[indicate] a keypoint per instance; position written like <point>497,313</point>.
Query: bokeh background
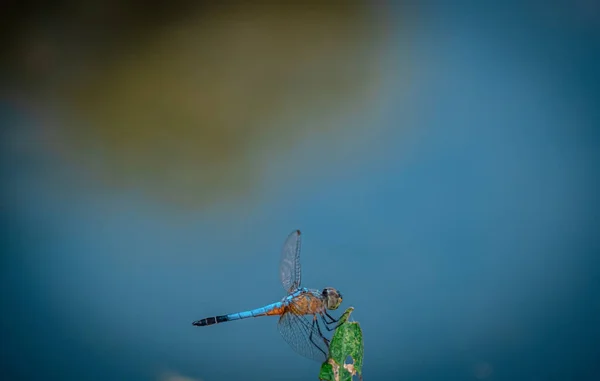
<point>440,159</point>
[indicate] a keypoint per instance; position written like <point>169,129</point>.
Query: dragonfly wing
<point>289,268</point>
<point>303,336</point>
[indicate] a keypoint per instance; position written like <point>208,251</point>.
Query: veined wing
<point>301,332</point>
<point>289,268</point>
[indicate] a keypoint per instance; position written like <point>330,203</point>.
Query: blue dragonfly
<point>301,312</point>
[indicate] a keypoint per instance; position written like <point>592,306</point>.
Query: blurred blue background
<point>441,162</point>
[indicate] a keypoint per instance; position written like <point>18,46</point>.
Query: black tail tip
<point>198,323</point>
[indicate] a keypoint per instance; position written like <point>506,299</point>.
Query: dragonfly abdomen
<point>271,309</point>
<point>211,320</point>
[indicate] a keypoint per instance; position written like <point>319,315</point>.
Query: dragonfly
<point>303,313</point>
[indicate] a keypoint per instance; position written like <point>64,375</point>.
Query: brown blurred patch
<point>179,102</point>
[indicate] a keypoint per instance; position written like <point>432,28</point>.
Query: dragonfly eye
<point>332,298</point>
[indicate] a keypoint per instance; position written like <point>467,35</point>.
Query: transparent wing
<point>303,336</point>
<point>289,268</point>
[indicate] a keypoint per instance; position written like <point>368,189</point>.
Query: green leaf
<point>347,342</point>
<point>326,373</point>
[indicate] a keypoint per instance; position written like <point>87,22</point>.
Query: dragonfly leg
<point>315,322</point>
<point>331,317</point>
<point>327,323</point>
<point>320,334</point>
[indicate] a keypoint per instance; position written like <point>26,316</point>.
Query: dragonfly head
<point>332,298</point>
